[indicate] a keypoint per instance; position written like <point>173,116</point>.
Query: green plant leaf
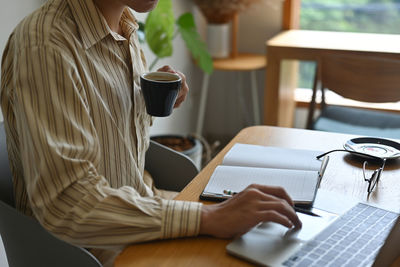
<point>188,31</point>
<point>159,29</point>
<point>141,32</point>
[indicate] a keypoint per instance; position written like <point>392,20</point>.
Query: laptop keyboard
<point>354,239</point>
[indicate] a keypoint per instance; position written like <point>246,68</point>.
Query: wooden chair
<point>365,79</point>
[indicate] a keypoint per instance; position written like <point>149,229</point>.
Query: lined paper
<point>272,157</point>
<point>299,184</point>
<point>296,170</point>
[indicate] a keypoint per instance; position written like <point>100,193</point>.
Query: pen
<point>229,192</point>
<point>322,170</point>
<point>306,211</point>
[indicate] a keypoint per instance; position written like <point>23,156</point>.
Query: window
<point>373,16</point>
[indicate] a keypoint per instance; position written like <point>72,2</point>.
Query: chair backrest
<point>170,170</point>
<point>25,241</point>
<point>6,186</point>
<point>366,79</point>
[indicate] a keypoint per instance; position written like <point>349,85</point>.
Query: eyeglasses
<point>374,178</point>
<point>376,174</point>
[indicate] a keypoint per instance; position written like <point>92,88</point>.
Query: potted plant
<point>158,31</point>
<point>161,28</point>
<point>222,11</point>
<point>219,14</point>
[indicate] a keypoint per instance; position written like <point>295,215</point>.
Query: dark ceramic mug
<point>160,90</point>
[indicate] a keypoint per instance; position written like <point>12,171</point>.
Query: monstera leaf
<point>188,31</point>
<point>159,31</point>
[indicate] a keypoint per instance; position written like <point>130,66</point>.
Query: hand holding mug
<point>163,90</point>
<point>160,91</point>
<point>184,87</point>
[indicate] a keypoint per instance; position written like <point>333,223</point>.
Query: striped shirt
<point>77,130</point>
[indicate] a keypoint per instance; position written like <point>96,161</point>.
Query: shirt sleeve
<point>60,153</point>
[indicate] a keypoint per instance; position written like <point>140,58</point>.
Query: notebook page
<point>272,157</point>
<point>299,184</point>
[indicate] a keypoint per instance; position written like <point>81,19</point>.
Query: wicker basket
<point>222,11</point>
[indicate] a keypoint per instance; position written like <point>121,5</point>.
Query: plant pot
<point>219,40</point>
<point>217,15</point>
<point>186,145</point>
<point>222,11</point>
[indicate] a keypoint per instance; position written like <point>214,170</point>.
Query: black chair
<point>170,170</point>
<point>27,243</point>
<point>367,79</point>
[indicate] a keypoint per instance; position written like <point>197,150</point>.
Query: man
<point>77,132</point>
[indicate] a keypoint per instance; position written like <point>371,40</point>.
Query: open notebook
<point>296,170</point>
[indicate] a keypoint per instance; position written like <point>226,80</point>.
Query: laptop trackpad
<point>261,248</point>
<point>312,225</point>
<point>271,243</point>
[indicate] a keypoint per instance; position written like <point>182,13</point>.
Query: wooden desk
<point>279,101</point>
<point>343,175</point>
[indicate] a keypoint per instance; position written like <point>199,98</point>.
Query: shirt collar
<point>92,25</point>
<point>128,23</point>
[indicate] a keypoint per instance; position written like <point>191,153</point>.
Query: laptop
<point>363,235</point>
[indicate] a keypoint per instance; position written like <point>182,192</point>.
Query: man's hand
<point>255,204</point>
<point>184,89</point>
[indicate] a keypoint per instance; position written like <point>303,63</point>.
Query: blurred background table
<point>279,103</point>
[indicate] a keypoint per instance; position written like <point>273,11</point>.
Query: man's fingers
<point>282,208</point>
<point>286,210</point>
<point>179,101</point>
<point>245,210</point>
<point>183,77</point>
<point>276,217</point>
<point>262,201</point>
<point>274,191</point>
<point>167,68</point>
<point>184,90</point>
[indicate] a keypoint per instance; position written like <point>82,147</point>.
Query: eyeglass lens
<point>373,179</point>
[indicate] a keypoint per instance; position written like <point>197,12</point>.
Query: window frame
<point>291,14</point>
<point>291,20</point>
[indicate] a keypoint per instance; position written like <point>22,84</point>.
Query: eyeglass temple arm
<point>351,152</point>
